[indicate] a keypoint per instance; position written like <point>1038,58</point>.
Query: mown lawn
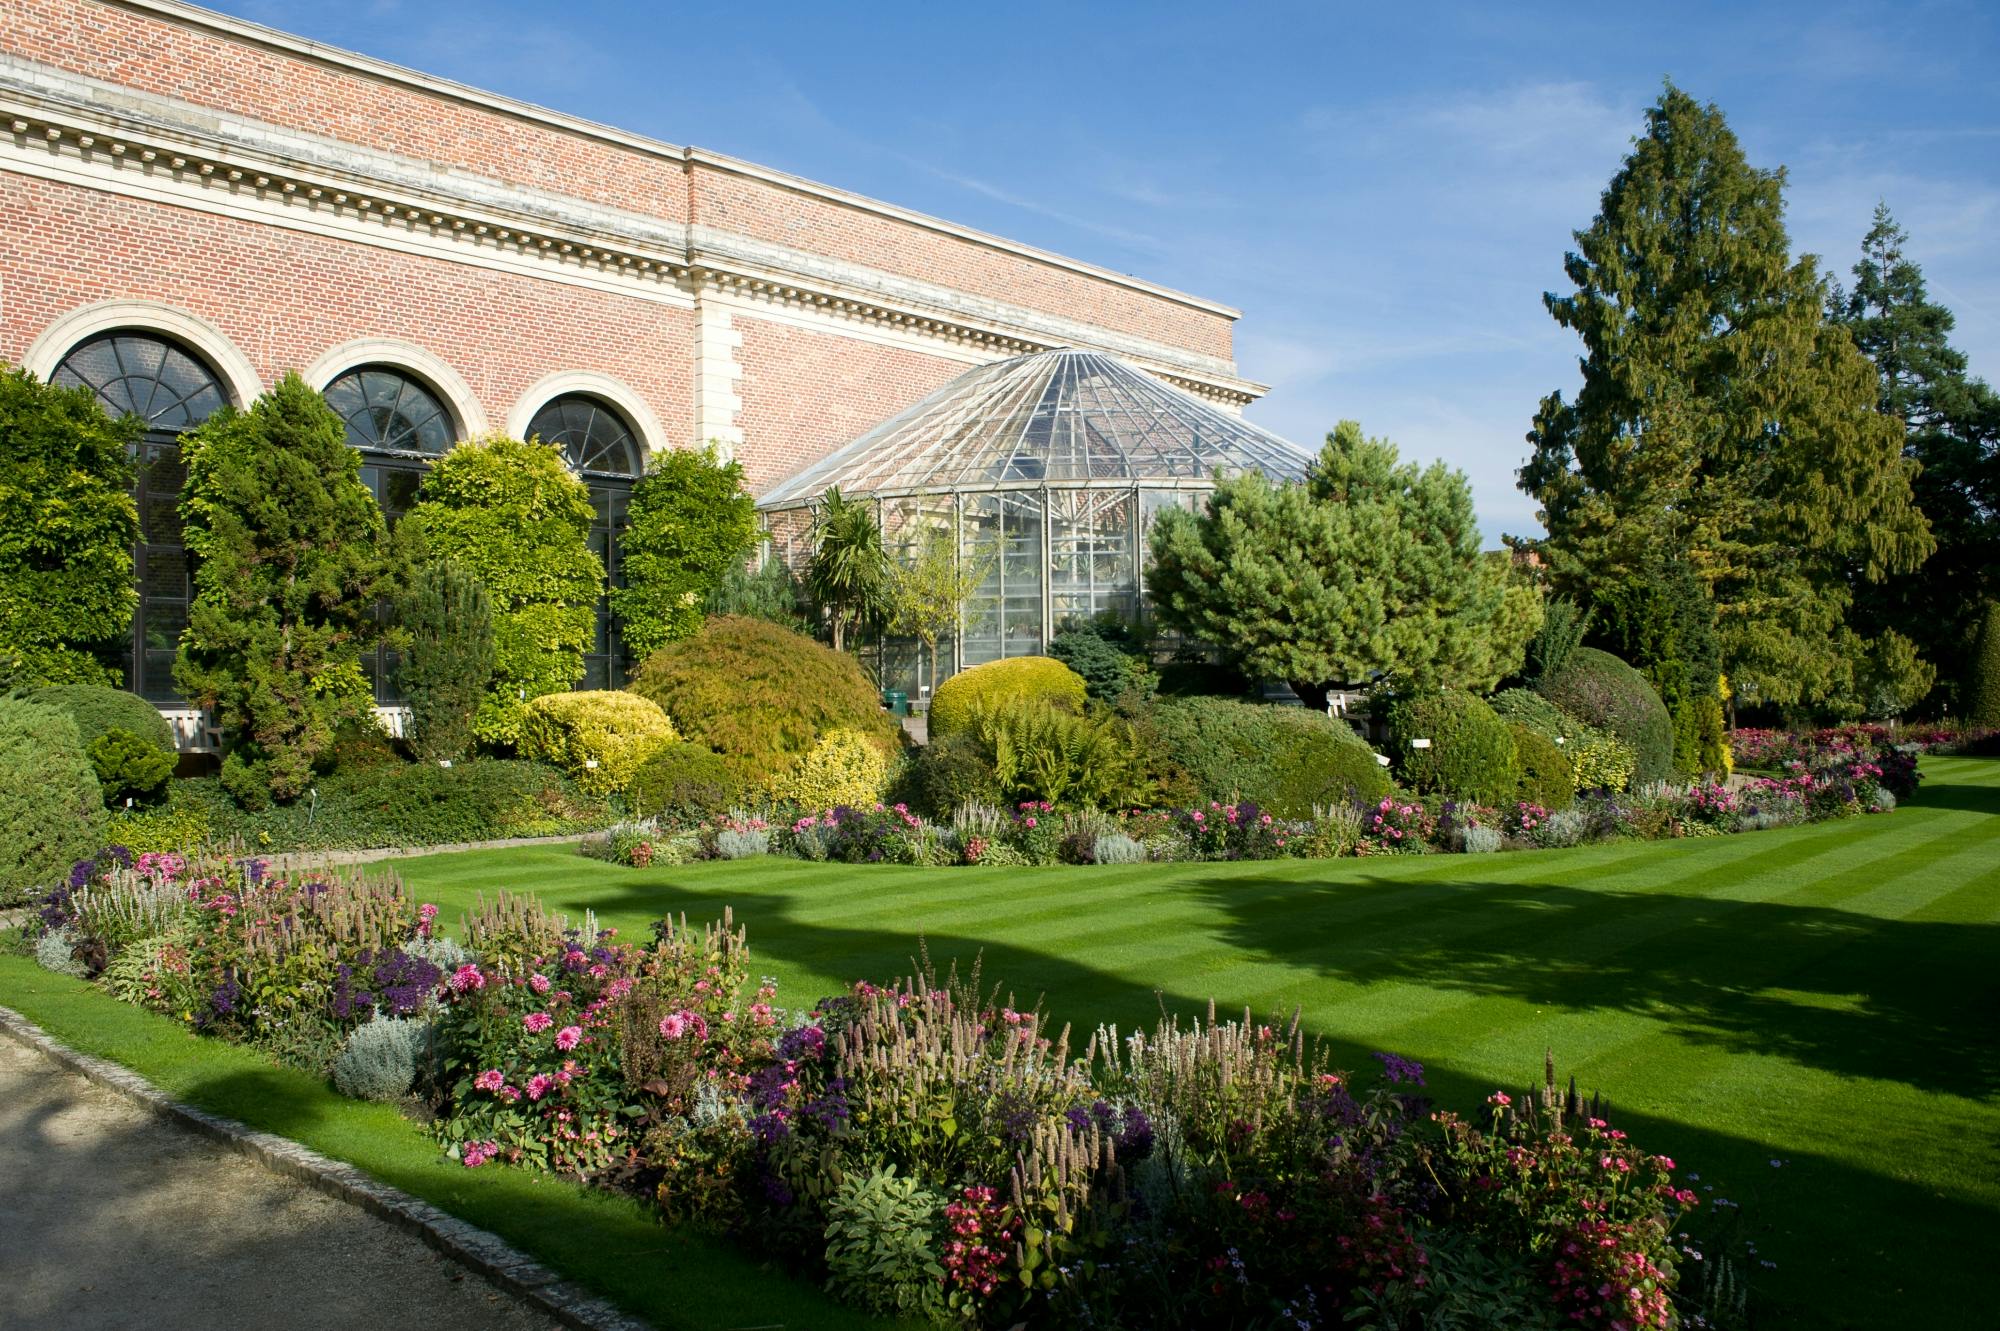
<point>1809,1019</point>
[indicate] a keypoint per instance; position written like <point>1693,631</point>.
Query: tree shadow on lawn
<point>1854,1247</point>
<point>1858,995</point>
<point>1958,795</point>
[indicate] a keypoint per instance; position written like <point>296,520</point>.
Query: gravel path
<point>115,1219</point>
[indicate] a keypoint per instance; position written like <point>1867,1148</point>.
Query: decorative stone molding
<point>191,330</point>
<point>644,423</point>
<point>716,373</point>
<point>154,157</point>
<point>468,417</point>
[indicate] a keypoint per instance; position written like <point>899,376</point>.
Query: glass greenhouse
<point>1045,472</point>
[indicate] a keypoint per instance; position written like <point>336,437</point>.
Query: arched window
<point>600,446</point>
<point>595,439</point>
<point>138,373</point>
<point>388,411</point>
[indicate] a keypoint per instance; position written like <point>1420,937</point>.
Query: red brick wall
<point>285,298</point>
<point>730,202</point>
<point>210,70</point>
<point>806,393</point>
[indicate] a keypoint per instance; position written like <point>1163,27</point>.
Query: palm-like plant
<point>848,576</point>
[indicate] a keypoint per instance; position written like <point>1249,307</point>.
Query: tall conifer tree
<point>1951,429</point>
<point>1722,416</point>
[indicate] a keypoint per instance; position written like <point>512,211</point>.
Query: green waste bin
<point>897,701</point>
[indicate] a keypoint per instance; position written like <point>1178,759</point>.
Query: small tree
<point>927,590</point>
<point>849,573</point>
<point>67,524</point>
<point>290,557</point>
<point>691,522</point>
<point>447,622</point>
<point>1370,566</point>
<point>514,517</point>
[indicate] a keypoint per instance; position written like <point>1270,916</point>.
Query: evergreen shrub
<point>1982,690</point>
<point>845,767</point>
<point>1109,663</point>
<point>953,771</point>
<point>1548,778</point>
<point>690,522</point>
<point>98,708</point>
<point>51,806</point>
<point>128,767</point>
<point>998,683</point>
<point>760,695</point>
<point>683,782</point>
<point>1604,691</point>
<point>1471,751</point>
<point>447,624</point>
<point>1286,760</point>
<point>599,736</point>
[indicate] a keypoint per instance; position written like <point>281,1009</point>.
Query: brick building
<point>196,204</point>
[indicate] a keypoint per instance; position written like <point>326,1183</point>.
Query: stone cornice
<point>203,154</point>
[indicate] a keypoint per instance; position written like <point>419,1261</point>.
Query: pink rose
<point>569,1037</point>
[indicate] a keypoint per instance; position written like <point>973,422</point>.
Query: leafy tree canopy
<point>67,524</point>
<point>691,523</point>
<point>513,516</point>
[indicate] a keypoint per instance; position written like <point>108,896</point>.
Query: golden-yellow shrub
<point>997,684</point>
<point>844,767</point>
<point>598,736</point>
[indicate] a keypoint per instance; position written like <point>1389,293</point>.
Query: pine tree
<point>1372,566</point>
<point>1722,417</point>
<point>1951,429</point>
<point>290,558</point>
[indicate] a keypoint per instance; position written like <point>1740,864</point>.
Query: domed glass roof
<point>1059,418</point>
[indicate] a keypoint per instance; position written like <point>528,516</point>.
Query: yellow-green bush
<point>999,684</point>
<point>845,767</point>
<point>613,729</point>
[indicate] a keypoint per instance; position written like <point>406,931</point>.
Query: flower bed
<point>925,1148</point>
<point>1833,775</point>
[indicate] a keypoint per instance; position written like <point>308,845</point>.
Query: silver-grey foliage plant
<point>383,1058</point>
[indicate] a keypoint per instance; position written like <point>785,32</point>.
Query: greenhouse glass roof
<point>1061,418</point>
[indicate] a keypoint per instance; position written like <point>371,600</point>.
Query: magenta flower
<point>466,978</point>
<point>538,1085</point>
<point>539,983</point>
<point>489,1080</point>
<point>569,1037</point>
<point>537,1022</point>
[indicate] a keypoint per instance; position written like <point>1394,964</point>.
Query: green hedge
<point>1470,754</point>
<point>1000,683</point>
<point>411,804</point>
<point>1548,778</point>
<point>51,807</point>
<point>97,711</point>
<point>1286,759</point>
<point>761,695</point>
<point>1597,687</point>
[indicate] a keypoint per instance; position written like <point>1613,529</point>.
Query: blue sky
<point>1384,190</point>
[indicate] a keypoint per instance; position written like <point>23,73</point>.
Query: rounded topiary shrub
<point>1285,759</point>
<point>1470,754</point>
<point>1982,684</point>
<point>1000,683</point>
<point>761,695</point>
<point>51,806</point>
<point>1547,776</point>
<point>599,736</point>
<point>684,781</point>
<point>98,711</point>
<point>1596,687</point>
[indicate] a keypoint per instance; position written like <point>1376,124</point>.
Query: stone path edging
<point>486,1254</point>
<point>285,859</point>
